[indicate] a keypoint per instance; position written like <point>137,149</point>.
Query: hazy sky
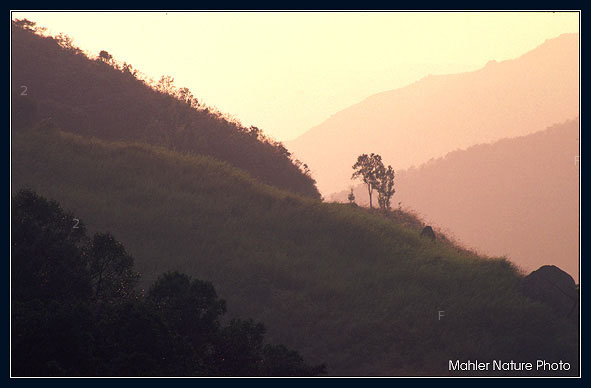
<point>287,72</point>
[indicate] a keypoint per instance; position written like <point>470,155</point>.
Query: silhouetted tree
<point>66,42</point>
<point>351,197</point>
<point>105,56</point>
<point>47,261</point>
<point>385,186</point>
<point>185,95</point>
<point>371,170</point>
<point>191,306</point>
<point>111,269</point>
<point>166,85</point>
<point>366,168</point>
<point>306,169</point>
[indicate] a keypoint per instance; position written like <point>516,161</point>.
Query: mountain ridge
<point>439,113</point>
<point>110,100</point>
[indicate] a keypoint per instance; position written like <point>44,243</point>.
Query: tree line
<point>77,310</point>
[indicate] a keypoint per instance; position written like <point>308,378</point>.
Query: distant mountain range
<point>517,197</point>
<point>439,114</point>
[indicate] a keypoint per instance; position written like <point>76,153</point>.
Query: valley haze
<point>163,225</point>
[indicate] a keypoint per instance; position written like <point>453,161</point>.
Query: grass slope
<point>341,285</point>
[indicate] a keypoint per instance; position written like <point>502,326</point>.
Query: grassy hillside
<point>334,282</point>
<point>52,79</point>
<point>499,197</point>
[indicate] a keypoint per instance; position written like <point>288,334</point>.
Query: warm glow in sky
<point>287,72</point>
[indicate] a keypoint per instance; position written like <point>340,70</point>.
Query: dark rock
<point>428,232</point>
<point>554,287</point>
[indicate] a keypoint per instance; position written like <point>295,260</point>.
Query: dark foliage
<point>111,268</point>
<point>46,250</point>
<point>75,311</point>
<point>52,79</point>
<point>356,287</point>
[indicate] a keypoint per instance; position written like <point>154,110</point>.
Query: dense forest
<point>55,81</point>
<point>76,310</point>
